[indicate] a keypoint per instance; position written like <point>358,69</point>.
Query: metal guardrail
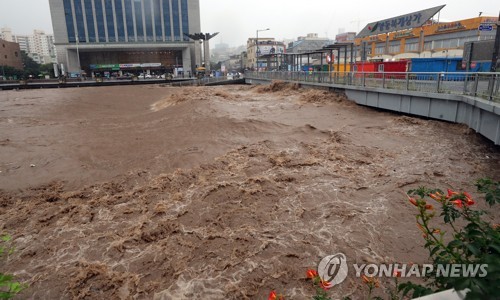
<point>483,85</point>
<point>202,81</point>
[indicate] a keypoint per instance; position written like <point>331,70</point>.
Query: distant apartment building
<point>10,55</point>
<point>345,37</point>
<point>39,46</point>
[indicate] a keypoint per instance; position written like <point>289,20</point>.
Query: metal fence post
<point>407,81</point>
<point>383,80</point>
<point>476,80</point>
<point>438,82</point>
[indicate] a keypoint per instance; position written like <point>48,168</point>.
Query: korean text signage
<point>402,22</point>
<point>485,27</point>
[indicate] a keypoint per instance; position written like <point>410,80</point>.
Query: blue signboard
<point>485,27</point>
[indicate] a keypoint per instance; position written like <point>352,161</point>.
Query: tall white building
<point>39,46</point>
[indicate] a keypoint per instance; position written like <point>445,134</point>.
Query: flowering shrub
<point>321,285</point>
<point>473,242</point>
<point>274,296</point>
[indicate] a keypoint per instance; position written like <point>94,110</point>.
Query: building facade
<point>262,47</point>
<point>434,39</point>
<point>307,43</point>
<point>10,55</point>
<point>39,46</point>
<point>126,35</point>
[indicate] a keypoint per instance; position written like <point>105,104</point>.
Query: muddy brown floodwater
<point>157,192</point>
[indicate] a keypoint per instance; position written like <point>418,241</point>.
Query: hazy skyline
<point>238,20</point>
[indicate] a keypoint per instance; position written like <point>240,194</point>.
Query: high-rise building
<point>126,35</point>
<point>39,46</point>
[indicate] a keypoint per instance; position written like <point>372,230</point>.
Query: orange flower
<point>421,227</point>
<point>413,201</point>
<point>451,193</point>
<point>436,231</point>
<point>468,199</point>
<point>429,206</point>
<point>325,285</point>
<point>365,279</point>
<point>435,197</point>
<point>272,295</point>
<point>311,273</point>
<point>458,203</point>
<point>370,281</point>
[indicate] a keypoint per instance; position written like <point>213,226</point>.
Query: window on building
<point>120,26</point>
<point>379,50</point>
<point>184,18</point>
<point>100,21</point>
<point>16,54</point>
<point>428,46</point>
<point>175,17</point>
<point>89,14</point>
<point>411,47</point>
<point>130,21</point>
<point>166,20</point>
<point>148,17</point>
<point>157,20</point>
<point>69,21</point>
<point>394,48</point>
<point>138,20</point>
<point>80,25</point>
<point>110,21</point>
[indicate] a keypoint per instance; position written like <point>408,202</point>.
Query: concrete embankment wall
<point>480,115</point>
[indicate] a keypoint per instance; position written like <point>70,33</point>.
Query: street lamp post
<point>257,47</point>
<point>78,58</point>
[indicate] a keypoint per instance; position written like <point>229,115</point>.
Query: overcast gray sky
<point>237,20</point>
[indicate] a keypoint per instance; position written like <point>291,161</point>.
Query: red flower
<point>272,295</point>
<point>429,206</point>
<point>325,285</point>
<point>311,274</point>
<point>413,201</point>
<point>451,193</point>
<point>468,199</point>
<point>458,203</point>
<point>396,274</point>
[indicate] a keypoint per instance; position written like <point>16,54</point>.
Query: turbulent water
<point>155,192</point>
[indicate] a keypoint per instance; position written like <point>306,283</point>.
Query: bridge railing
<point>483,85</point>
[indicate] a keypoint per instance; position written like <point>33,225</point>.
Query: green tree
<point>10,72</point>
<point>47,69</point>
<point>31,67</point>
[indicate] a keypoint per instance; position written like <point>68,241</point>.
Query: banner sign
<point>124,66</point>
<point>402,22</point>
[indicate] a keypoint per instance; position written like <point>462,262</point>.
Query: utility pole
<point>494,58</point>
